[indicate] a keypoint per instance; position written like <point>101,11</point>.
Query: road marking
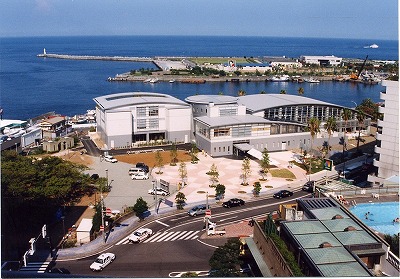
<point>165,235</point>
<point>162,223</point>
<point>227,218</point>
<point>191,235</point>
<point>179,235</point>
<point>171,236</point>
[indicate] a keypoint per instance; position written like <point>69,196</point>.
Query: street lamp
<point>154,182</point>
<point>354,103</point>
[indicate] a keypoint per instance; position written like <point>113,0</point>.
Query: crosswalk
<point>167,236</point>
<point>39,267</point>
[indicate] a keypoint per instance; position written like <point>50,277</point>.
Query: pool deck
<point>370,199</point>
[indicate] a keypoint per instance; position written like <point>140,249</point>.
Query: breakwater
<point>91,57</point>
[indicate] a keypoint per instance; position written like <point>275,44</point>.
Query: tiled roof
<point>315,240</point>
<point>353,269</point>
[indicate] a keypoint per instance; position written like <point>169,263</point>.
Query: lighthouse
<point>44,51</point>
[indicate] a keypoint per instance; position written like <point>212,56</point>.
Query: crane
<point>354,76</point>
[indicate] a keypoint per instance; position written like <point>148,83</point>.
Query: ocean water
<point>30,86</point>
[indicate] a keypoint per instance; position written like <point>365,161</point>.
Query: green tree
<point>193,154</point>
<point>225,261</point>
<point>265,164</point>
<point>220,191</point>
<point>159,161</point>
<point>180,200</point>
<point>282,91</point>
<point>140,208</point>
<point>246,171</point>
<point>256,188</point>
<point>213,175</point>
<point>173,154</point>
<point>330,126</point>
<point>300,91</point>
<point>50,180</point>
<point>369,108</point>
<point>313,127</point>
<point>263,92</point>
<point>393,241</point>
<point>182,173</point>
<point>96,221</point>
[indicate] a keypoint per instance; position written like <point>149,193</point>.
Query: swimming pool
<point>380,217</point>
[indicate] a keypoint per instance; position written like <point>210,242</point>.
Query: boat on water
<point>147,80</point>
<point>153,80</point>
<point>311,80</point>
<point>280,78</point>
<point>372,46</point>
<point>172,81</point>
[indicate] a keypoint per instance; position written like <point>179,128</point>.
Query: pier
<point>91,57</point>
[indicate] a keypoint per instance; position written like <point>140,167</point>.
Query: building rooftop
<point>260,102</point>
<point>121,100</point>
<point>207,99</point>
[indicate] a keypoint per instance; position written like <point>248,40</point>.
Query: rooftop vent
<point>325,245</point>
<point>350,228</point>
<point>337,216</point>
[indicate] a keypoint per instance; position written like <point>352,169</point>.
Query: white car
<point>140,235</point>
<point>140,176</point>
<point>111,159</point>
<point>102,261</point>
<point>159,192</point>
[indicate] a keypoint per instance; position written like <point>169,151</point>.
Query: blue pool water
<point>380,217</point>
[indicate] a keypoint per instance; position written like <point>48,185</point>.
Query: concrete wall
<point>270,253</point>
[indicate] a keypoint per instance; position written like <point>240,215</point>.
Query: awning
<point>258,154</point>
<point>243,146</point>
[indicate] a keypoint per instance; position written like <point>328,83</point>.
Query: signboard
<point>164,185</point>
<point>101,228</point>
<point>108,211</point>
<point>328,164</point>
<point>208,213</point>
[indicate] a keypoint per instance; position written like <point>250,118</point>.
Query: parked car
<point>198,210</point>
<point>140,176</point>
<point>140,235</point>
<point>136,170</point>
<point>109,158</point>
<point>102,261</point>
<point>308,186</point>
<point>233,202</point>
<point>142,166</point>
<point>282,194</point>
<point>159,192</point>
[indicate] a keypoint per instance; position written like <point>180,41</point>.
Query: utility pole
<point>102,208</point>
<point>206,218</point>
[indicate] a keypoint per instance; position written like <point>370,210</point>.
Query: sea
<point>31,86</point>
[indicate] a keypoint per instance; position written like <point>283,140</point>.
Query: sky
<point>355,19</point>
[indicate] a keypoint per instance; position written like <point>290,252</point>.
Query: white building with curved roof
<point>226,125</point>
<point>126,118</point>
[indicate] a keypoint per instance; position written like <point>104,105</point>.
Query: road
<point>179,243</point>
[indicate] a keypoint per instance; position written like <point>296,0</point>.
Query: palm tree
<point>330,126</point>
<point>241,92</point>
<point>300,91</point>
<point>263,92</point>
<point>282,91</point>
<point>313,127</point>
<point>346,115</point>
<point>360,120</point>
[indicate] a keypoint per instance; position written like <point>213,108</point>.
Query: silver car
<point>198,210</point>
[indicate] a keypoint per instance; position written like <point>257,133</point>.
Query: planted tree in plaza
<point>213,174</point>
<point>246,171</point>
<point>256,188</point>
<point>282,91</point>
<point>182,173</point>
<point>265,164</point>
<point>173,154</point>
<point>300,91</point>
<point>241,92</point>
<point>140,208</point>
<point>220,191</point>
<point>159,161</point>
<point>180,200</point>
<point>225,261</point>
<point>193,154</point>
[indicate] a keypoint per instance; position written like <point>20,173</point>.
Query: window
<point>141,112</point>
<point>225,111</point>
<point>221,132</point>
<point>153,123</point>
<point>153,111</point>
<point>141,124</point>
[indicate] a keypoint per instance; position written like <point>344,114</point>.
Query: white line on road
<point>162,223</point>
<point>227,218</point>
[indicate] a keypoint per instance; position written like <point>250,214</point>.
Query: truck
<point>212,230</point>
